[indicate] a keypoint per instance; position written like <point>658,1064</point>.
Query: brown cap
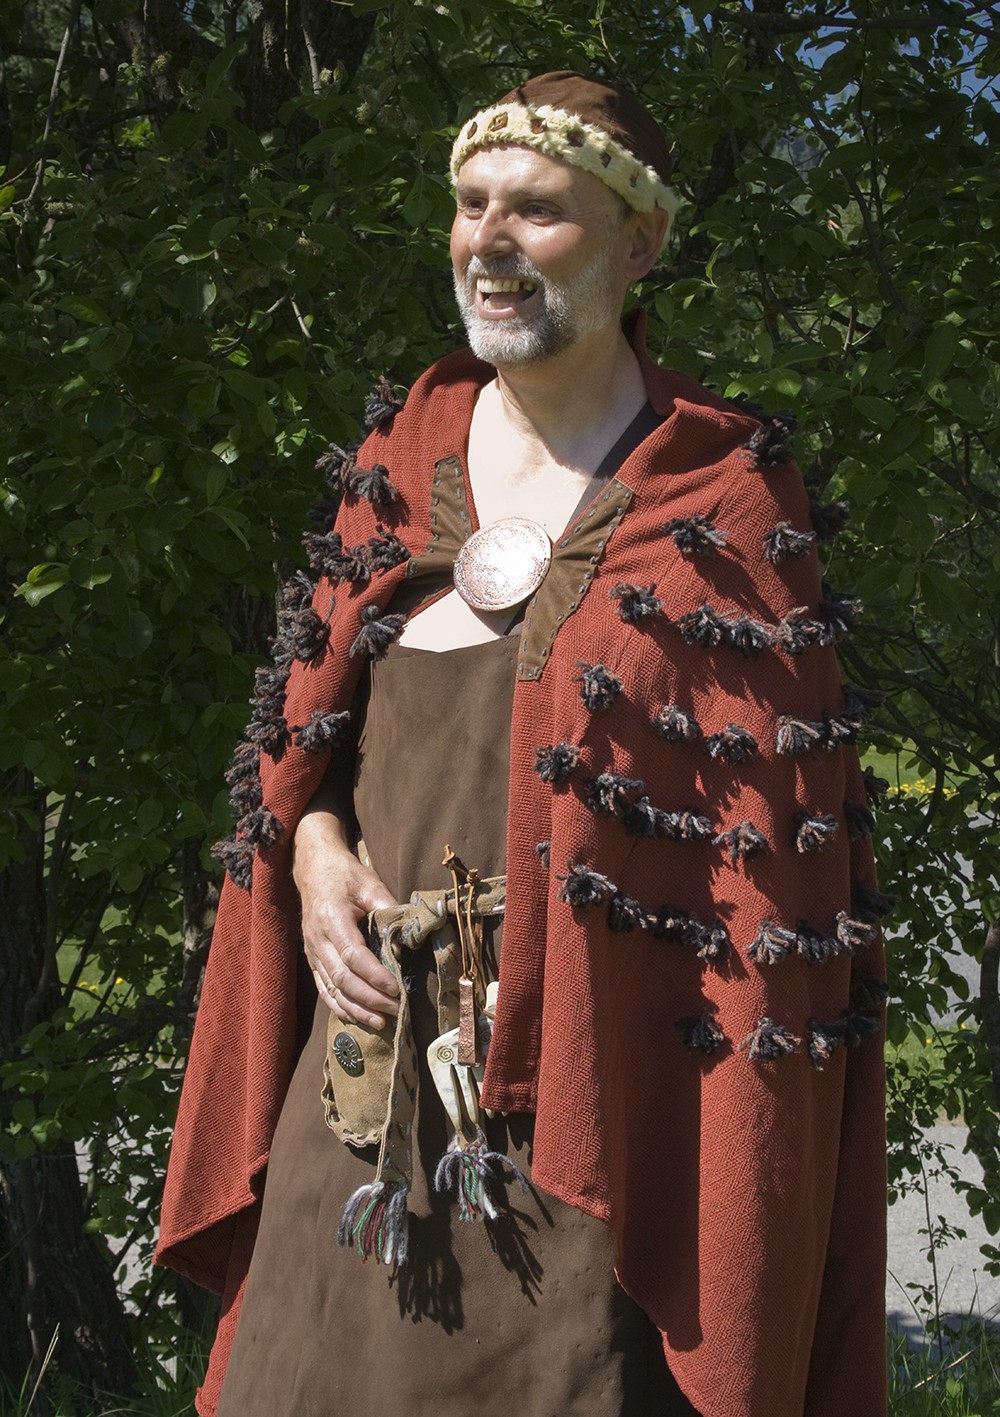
<point>588,122</point>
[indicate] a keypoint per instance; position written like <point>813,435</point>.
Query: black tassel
<point>669,923</point>
<point>771,943</point>
<point>581,886</point>
<point>771,444</point>
<point>733,745</point>
<point>642,819</point>
<point>702,1034</point>
<point>770,1041</point>
<point>636,604</point>
<point>743,841</point>
<point>543,850</point>
<point>814,947</point>
<point>854,934</point>
<point>703,627</point>
<point>676,726</point>
<point>625,913</point>
<point>323,731</point>
<point>372,484</point>
<point>385,550</point>
<point>328,557</point>
<point>823,1040</point>
<point>837,614</point>
<point>269,683</point>
<point>869,904</point>
<point>304,635</point>
<point>748,637</point>
<point>236,855</point>
<point>377,632</point>
<point>860,704</point>
<point>381,405</point>
<point>296,593</point>
<point>243,777</point>
<point>710,942</point>
<point>796,632</point>
<point>867,992</point>
<point>875,786</point>
<point>838,730</point>
<point>695,536</point>
<point>784,543</point>
<point>859,1027</point>
<point>610,792</point>
<point>814,833</point>
<point>688,825</point>
<point>829,519</point>
<point>798,735</point>
<point>554,764</point>
<point>600,689</point>
<point>860,821</point>
<point>261,828</point>
<point>268,731</point>
<point>337,464</point>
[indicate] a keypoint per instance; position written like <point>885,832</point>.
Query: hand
<point>337,892</point>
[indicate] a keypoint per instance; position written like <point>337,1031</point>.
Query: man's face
<point>538,249</point>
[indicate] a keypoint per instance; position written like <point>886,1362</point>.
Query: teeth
<point>503,287</point>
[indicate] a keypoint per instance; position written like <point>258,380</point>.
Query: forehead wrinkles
<point>516,174</point>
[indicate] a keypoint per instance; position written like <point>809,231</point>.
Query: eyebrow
<point>517,194</point>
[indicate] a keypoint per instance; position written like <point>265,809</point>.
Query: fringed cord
<point>376,1222</point>
<point>467,1173</point>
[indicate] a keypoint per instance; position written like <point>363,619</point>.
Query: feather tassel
<point>381,405</point>
<point>734,744</point>
<point>376,633</point>
<point>581,886</point>
<point>599,688</point>
<point>771,944</point>
<point>743,842</point>
<point>323,731</point>
<point>636,604</point>
<point>784,543</point>
<point>814,833</point>
<point>702,1034</point>
<point>769,1041</point>
<point>676,726</point>
<point>695,536</point>
<point>555,763</point>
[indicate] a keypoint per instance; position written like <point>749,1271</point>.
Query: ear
<point>649,232</point>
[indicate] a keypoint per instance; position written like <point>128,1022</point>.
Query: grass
<point>964,1381</point>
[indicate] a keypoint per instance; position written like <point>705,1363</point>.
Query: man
<point>690,972</point>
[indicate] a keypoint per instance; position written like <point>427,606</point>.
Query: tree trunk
<point>54,1280</point>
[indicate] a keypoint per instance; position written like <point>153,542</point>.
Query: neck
<point>565,404</point>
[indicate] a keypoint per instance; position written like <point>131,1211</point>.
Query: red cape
<point>744,1184</point>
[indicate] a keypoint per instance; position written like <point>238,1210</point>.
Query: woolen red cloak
<point>691,967</point>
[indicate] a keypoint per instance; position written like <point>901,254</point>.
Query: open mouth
<point>502,295</point>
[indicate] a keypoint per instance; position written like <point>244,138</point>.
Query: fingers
<point>352,982</point>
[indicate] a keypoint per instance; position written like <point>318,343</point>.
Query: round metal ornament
<point>348,1054</point>
<point>502,564</point>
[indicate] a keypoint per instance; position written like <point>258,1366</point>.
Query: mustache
<point>503,268</point>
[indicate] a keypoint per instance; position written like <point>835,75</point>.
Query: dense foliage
<point>219,222</point>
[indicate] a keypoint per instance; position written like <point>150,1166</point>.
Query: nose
<point>490,235</point>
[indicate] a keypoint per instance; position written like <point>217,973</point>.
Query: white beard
<point>569,311</point>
